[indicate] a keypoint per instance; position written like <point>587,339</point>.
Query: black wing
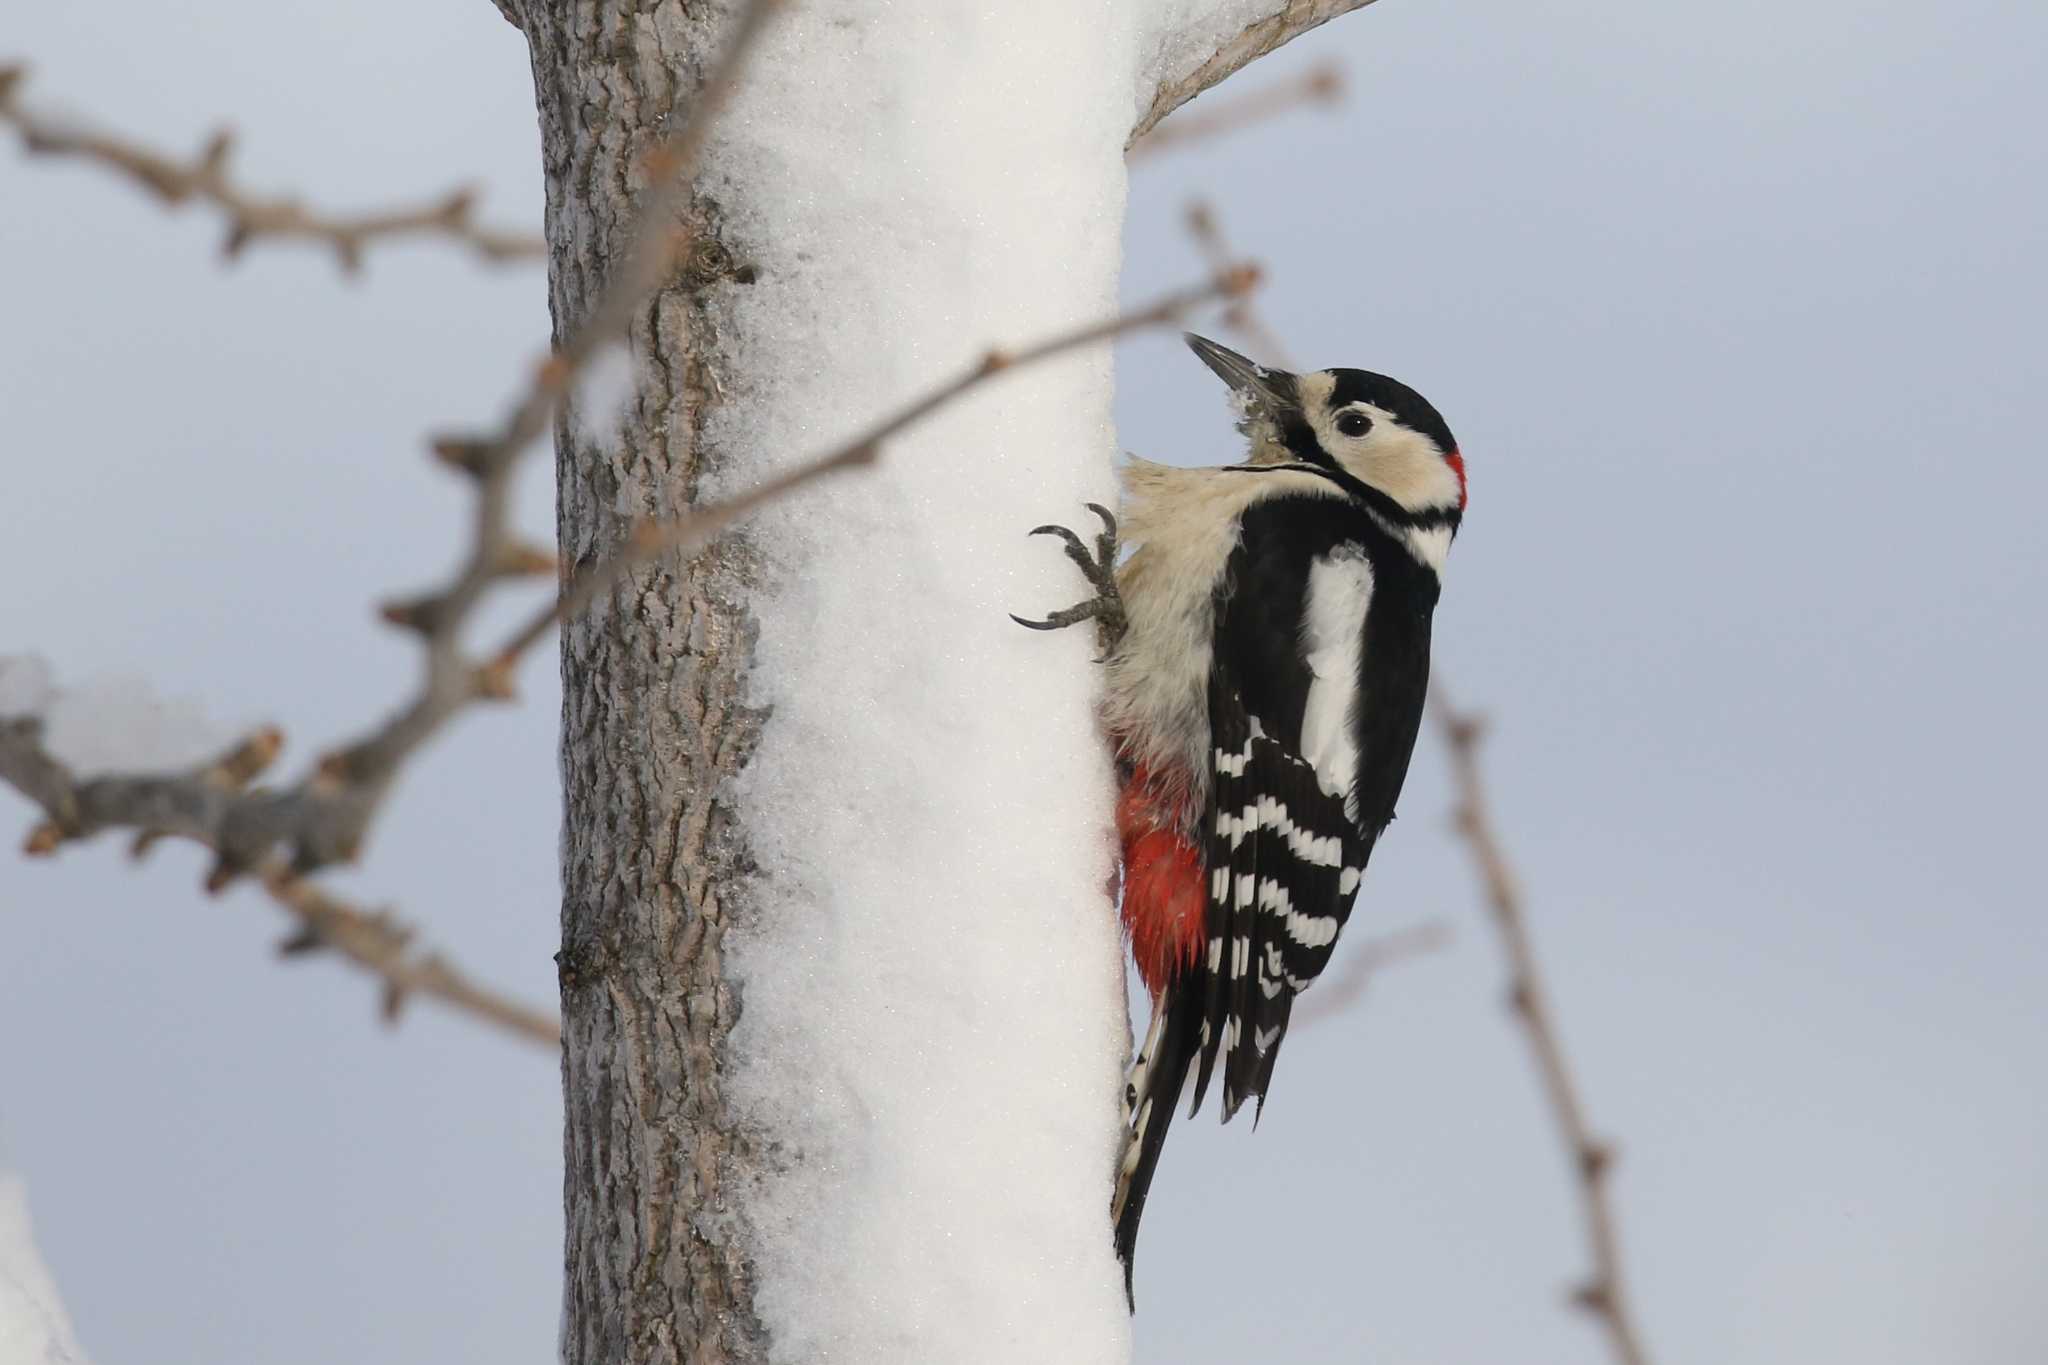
<point>1284,862</point>
<point>1283,854</point>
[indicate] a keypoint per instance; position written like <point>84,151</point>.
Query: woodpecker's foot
<point>1106,608</point>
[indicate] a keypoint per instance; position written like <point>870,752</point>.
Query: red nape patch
<point>1457,464</point>
<point>1164,906</point>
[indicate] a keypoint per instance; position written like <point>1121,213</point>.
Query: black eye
<point>1353,423</point>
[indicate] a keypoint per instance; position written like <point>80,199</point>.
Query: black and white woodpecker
<point>1268,658</point>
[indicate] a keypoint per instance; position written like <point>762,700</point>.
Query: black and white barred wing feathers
<point>1284,861</point>
<point>1282,857</point>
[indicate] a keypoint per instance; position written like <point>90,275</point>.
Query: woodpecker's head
<point>1375,429</point>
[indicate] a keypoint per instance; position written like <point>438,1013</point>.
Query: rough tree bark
<point>656,871</point>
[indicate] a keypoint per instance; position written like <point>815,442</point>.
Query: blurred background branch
<point>1604,1294</point>
<point>1362,963</point>
<point>1322,85</point>
<point>1241,316</point>
<point>323,819</point>
<point>190,805</point>
<point>253,217</point>
<point>1288,20</point>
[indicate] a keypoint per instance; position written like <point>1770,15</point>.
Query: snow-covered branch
<point>253,217</point>
<point>1243,41</point>
<point>1604,1294</point>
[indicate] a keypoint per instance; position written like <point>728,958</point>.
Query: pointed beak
<point>1275,388</point>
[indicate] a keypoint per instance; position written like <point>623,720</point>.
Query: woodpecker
<point>1267,657</point>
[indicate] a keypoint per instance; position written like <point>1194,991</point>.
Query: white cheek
<point>1406,467</point>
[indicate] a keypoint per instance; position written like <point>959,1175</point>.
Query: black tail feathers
<point>1151,1094</point>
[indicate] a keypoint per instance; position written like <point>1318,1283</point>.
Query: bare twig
<point>374,940</point>
<point>651,539</point>
<point>324,818</point>
<point>1242,315</point>
<point>180,805</point>
<point>1362,966</point>
<point>660,240</point>
<point>1604,1293</point>
<point>1288,20</point>
<point>252,217</point>
<point>1320,84</point>
<point>280,836</point>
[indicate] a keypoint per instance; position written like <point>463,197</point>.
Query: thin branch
<point>280,836</point>
<point>324,818</point>
<point>1242,316</point>
<point>659,243</point>
<point>1321,84</point>
<point>653,539</point>
<point>1288,21</point>
<point>1363,965</point>
<point>177,805</point>
<point>377,942</point>
<point>1604,1294</point>
<point>252,217</point>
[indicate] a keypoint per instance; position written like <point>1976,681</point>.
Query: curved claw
<point>1106,608</point>
<point>1073,541</point>
<point>1089,565</point>
<point>1103,609</point>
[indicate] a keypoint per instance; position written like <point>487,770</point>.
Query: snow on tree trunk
<point>34,1328</point>
<point>934,1021</point>
<point>842,991</point>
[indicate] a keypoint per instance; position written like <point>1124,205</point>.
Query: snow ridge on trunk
<point>34,1329</point>
<point>932,1015</point>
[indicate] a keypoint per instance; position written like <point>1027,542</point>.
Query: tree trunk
<point>653,722</point>
<point>901,1148</point>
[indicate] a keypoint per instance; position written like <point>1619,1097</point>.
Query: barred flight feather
<point>1285,856</point>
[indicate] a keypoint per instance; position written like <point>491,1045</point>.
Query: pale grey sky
<point>1737,315</point>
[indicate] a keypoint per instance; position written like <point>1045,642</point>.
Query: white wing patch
<point>1332,635</point>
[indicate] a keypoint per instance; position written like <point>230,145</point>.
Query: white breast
<point>1332,639</point>
<point>1183,524</point>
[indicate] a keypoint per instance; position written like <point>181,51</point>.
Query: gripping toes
<point>1106,608</point>
<point>1100,567</point>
